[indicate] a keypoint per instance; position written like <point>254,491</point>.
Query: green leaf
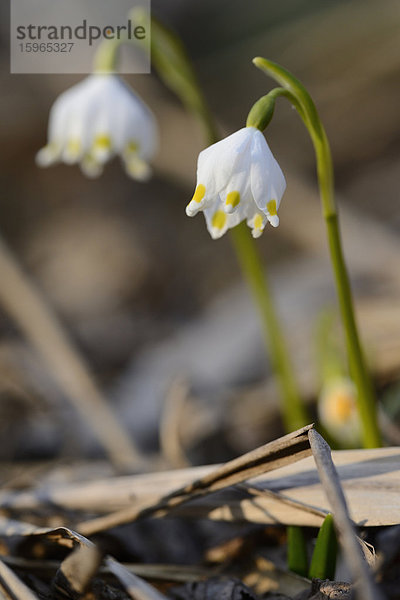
<point>323,562</point>
<point>297,551</point>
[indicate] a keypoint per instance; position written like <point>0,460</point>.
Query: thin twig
<point>160,572</point>
<point>42,328</point>
<point>170,442</point>
<point>13,584</point>
<point>136,587</point>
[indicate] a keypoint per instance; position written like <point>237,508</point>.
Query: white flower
<point>238,179</point>
<point>96,119</point>
<point>338,413</point>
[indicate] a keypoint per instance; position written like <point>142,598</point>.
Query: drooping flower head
<point>96,119</point>
<point>238,179</point>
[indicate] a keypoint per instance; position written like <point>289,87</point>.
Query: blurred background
<point>158,309</point>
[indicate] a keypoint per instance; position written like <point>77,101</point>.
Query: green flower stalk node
<point>261,112</point>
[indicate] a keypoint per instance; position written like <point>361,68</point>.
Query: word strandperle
<point>81,32</point>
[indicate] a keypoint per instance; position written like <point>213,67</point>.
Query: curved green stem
<point>262,111</point>
<point>106,56</point>
<point>302,101</point>
<point>169,57</point>
<point>105,59</point>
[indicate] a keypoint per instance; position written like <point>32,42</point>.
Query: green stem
<point>169,57</point>
<point>297,559</point>
<point>173,65</point>
<point>300,98</point>
<point>294,413</point>
<point>105,59</point>
<point>106,56</point>
<point>366,397</point>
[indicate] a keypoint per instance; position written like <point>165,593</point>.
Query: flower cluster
<point>238,179</point>
<point>96,119</point>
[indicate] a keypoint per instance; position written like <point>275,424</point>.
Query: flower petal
<point>257,223</point>
<point>218,221</point>
<point>267,180</point>
<point>90,167</point>
<point>137,168</point>
<point>47,155</point>
<point>198,201</point>
<point>217,163</point>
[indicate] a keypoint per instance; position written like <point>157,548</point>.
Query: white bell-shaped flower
<point>238,179</point>
<point>97,119</point>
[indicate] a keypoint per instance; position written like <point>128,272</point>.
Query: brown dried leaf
<point>286,450</point>
<point>76,571</point>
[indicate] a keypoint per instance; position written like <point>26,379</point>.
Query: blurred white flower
<point>96,119</point>
<point>238,179</point>
<point>338,412</point>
